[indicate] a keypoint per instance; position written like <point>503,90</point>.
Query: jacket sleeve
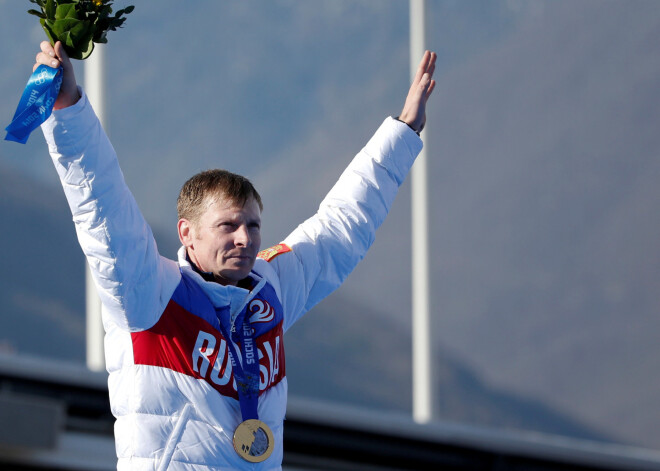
<point>133,281</point>
<point>327,247</point>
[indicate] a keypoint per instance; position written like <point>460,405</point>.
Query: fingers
<point>426,66</point>
<point>56,56</point>
<point>52,56</point>
<point>431,68</point>
<point>421,69</point>
<point>47,56</point>
<point>60,53</point>
<point>426,83</point>
<point>430,89</point>
<point>423,84</point>
<point>47,48</point>
<point>414,109</point>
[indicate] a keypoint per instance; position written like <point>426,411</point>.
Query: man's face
<point>225,240</point>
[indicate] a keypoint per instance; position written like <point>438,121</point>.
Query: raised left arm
<point>327,246</point>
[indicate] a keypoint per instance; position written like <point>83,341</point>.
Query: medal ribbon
<point>246,365</point>
<point>36,104</point>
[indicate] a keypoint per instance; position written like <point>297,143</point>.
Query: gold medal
<point>253,441</point>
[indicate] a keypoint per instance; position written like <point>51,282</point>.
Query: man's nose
<point>242,236</point>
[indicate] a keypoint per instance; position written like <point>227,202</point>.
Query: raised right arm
<point>133,281</point>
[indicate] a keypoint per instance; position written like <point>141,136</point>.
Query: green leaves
<point>78,24</point>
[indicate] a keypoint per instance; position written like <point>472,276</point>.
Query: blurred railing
<point>56,416</point>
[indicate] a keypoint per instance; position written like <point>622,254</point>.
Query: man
<point>194,348</point>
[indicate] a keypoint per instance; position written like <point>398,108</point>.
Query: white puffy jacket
<point>171,385</point>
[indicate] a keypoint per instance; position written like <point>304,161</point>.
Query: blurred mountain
<point>547,234</point>
<point>345,351</point>
<point>42,288</point>
<point>42,294</point>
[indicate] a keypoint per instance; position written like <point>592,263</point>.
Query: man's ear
<point>185,230</point>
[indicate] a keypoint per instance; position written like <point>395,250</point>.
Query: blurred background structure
<point>543,163</point>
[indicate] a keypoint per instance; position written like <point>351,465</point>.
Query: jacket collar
<point>237,297</point>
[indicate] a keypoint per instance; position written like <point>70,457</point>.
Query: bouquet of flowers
<point>78,24</point>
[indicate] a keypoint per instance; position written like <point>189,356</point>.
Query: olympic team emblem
<point>261,311</point>
<point>41,78</point>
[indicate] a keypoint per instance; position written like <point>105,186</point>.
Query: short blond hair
<point>219,183</point>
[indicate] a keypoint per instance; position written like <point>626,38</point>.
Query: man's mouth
<point>241,257</point>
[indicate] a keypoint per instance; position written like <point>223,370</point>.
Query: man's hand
<point>414,110</point>
<point>54,57</point>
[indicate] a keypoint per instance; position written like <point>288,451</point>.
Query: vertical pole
<point>95,89</point>
<point>423,383</point>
